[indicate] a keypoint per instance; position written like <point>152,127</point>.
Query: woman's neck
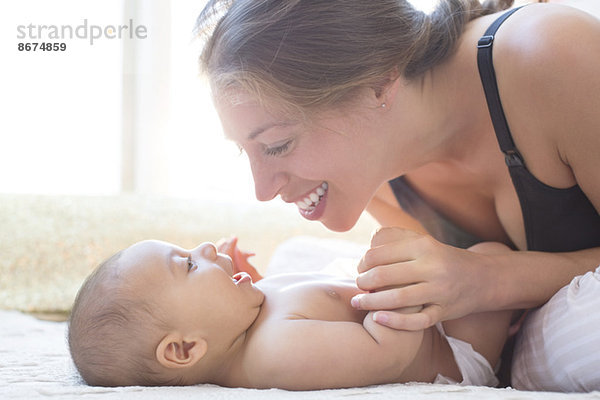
<point>445,112</point>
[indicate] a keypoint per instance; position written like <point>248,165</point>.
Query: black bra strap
<point>490,87</point>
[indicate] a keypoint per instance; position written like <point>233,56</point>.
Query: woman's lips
<point>311,201</point>
<point>315,211</point>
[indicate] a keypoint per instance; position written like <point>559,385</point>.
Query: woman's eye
<point>278,150</point>
<point>190,264</point>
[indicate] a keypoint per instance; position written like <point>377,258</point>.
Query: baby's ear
<point>175,351</point>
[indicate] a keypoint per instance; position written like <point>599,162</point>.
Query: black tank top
<point>556,220</point>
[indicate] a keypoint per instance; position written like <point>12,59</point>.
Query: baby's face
<point>194,288</point>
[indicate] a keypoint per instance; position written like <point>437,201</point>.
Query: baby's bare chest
<point>325,300</point>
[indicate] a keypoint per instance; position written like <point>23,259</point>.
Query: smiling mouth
<point>312,200</point>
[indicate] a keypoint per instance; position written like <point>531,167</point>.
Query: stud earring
<point>383,105</point>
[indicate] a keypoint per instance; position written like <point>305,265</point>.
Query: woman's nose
<point>268,180</point>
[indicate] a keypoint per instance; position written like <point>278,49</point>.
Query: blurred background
<point>119,115</point>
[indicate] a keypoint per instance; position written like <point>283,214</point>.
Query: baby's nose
<point>207,250</point>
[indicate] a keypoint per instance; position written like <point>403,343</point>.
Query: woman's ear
<point>175,351</point>
<point>387,91</point>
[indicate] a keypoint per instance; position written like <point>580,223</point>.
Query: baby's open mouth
<point>241,277</point>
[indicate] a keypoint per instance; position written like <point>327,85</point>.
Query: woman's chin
<point>339,224</point>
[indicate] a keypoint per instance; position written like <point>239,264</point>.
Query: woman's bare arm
<point>557,98</point>
<point>386,211</point>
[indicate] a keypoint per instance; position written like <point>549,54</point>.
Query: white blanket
<point>35,364</point>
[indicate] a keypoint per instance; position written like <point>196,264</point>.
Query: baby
<point>157,314</point>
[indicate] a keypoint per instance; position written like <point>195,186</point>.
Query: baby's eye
<point>191,265</point>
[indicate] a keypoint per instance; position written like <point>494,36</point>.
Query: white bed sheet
<point>34,364</point>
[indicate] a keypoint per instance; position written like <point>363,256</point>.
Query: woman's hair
<point>112,335</point>
<point>306,54</point>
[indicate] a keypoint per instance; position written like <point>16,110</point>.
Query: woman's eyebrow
<point>261,129</point>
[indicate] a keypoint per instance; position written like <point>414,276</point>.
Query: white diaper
<point>474,367</point>
<point>558,347</point>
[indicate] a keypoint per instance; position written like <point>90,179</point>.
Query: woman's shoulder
<point>541,40</point>
<point>546,57</point>
<point>547,35</point>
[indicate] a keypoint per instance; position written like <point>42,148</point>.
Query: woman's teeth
<point>312,200</point>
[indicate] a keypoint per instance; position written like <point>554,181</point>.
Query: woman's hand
<point>239,258</point>
<point>406,269</point>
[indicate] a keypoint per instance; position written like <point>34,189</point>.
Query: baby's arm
<point>302,354</point>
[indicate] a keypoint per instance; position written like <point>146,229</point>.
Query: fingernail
<point>380,317</point>
<point>355,301</point>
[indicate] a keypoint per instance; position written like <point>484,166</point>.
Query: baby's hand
<point>239,258</point>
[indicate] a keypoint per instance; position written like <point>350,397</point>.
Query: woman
<point>350,105</point>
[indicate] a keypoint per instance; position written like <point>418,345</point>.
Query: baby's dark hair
<point>113,335</point>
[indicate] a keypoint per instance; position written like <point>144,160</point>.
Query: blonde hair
<point>112,335</point>
<point>307,55</point>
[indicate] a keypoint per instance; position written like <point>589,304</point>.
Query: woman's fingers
<point>393,245</point>
<point>384,255</point>
<point>412,295</point>
<point>410,322</point>
<point>398,274</point>
<point>386,235</point>
<point>404,269</point>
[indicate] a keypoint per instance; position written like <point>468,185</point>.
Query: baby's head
<point>157,314</point>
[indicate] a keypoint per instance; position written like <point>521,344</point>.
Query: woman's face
<point>329,168</point>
